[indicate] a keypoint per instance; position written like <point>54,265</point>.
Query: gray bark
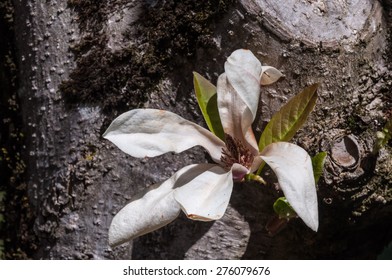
<point>80,64</point>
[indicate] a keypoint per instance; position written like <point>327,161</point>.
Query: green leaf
<point>285,123</point>
<point>318,165</point>
<point>284,209</point>
<point>207,98</point>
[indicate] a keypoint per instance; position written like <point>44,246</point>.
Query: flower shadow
<point>254,203</point>
<point>171,242</point>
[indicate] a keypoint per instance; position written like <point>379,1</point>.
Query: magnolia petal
<point>206,197</point>
<point>269,75</point>
<point>243,71</point>
<point>293,167</point>
<point>256,164</point>
<point>152,132</point>
<point>154,210</point>
<point>235,115</point>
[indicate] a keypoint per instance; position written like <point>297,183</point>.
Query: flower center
<point>236,152</point>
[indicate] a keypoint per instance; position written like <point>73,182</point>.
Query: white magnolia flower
<point>202,191</point>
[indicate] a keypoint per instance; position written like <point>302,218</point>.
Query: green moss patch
<point>165,31</point>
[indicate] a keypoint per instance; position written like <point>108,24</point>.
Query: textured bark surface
<point>82,63</point>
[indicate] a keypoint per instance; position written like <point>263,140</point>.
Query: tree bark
<point>82,63</point>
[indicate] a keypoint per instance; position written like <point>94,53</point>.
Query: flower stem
<point>254,177</point>
<point>260,168</point>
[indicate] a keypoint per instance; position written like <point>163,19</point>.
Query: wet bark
<point>81,63</point>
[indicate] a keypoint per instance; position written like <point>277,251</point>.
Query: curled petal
<point>235,115</point>
<point>154,210</point>
<point>293,167</point>
<point>269,75</point>
<point>152,132</point>
<point>206,197</point>
<point>243,72</point>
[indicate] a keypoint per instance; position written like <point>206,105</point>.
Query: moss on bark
<point>119,80</point>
